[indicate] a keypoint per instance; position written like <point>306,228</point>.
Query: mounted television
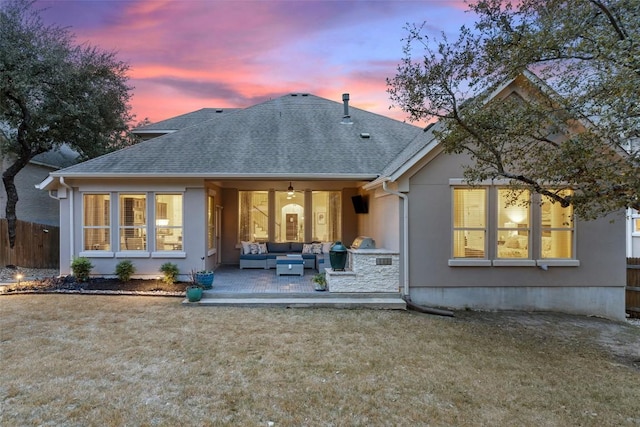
<point>359,204</point>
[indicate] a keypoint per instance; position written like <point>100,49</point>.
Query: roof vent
<point>219,110</point>
<point>294,94</point>
<point>346,118</point>
<point>305,94</point>
<point>365,135</point>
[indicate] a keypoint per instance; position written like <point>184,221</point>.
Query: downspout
<point>405,236</point>
<point>71,214</point>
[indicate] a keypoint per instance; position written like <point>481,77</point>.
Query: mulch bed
<point>97,285</point>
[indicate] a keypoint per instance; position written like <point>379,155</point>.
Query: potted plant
<point>204,277</point>
<point>320,282</point>
<point>193,291</point>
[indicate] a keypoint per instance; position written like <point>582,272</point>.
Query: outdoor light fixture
<point>290,189</point>
<point>19,277</point>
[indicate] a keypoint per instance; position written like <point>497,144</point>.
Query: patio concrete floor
<point>264,288</point>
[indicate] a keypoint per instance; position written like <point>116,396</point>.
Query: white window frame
<point>492,230</point>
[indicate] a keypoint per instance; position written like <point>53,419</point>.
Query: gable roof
<point>426,143</point>
<point>57,158</point>
<point>296,135</point>
<point>182,121</point>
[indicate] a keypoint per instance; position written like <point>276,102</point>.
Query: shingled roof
<point>299,135</point>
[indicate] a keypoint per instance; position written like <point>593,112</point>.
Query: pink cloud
<point>186,55</point>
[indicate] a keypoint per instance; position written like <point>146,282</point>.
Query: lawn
<point>86,360</point>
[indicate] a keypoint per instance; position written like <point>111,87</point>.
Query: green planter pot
<point>194,294</point>
<point>205,279</point>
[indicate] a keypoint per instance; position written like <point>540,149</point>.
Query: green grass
<point>111,361</point>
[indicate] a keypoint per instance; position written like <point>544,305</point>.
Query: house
<point>35,205</point>
<point>287,170</point>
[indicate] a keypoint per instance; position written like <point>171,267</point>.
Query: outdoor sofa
<point>264,255</point>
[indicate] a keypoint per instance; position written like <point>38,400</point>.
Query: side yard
<point>115,360</point>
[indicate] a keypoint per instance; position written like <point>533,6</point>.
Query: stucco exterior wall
<point>596,286</point>
<point>382,223</point>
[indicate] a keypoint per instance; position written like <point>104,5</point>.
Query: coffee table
<point>290,264</point>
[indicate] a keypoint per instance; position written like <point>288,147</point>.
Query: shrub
<point>81,268</point>
<point>170,271</point>
<point>124,270</point>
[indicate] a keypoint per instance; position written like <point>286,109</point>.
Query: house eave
<point>234,176</point>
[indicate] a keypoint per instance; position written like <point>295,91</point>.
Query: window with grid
<point>557,229</point>
<point>169,222</point>
<point>469,222</point>
<point>96,222</point>
<point>253,223</point>
<point>133,222</point>
<point>514,225</point>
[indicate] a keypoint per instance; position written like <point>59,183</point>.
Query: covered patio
<point>264,288</point>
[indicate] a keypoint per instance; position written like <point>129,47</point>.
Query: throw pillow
<point>316,248</point>
<point>246,247</point>
<point>306,248</point>
<point>262,248</point>
<point>255,249</point>
<point>326,247</point>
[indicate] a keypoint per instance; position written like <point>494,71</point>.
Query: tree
<point>583,134</point>
<point>53,92</point>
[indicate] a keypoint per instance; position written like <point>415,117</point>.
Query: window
<point>289,226</point>
<point>253,216</point>
<point>169,222</point>
<point>211,222</point>
<point>133,222</point>
<point>96,222</point>
<point>635,222</point>
<point>521,227</point>
<point>469,222</point>
<point>557,229</point>
<point>327,215</point>
<point>513,224</point>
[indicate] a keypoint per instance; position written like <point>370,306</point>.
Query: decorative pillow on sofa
<point>254,248</point>
<point>316,248</point>
<point>307,248</point>
<point>262,248</point>
<point>246,247</point>
<point>326,247</point>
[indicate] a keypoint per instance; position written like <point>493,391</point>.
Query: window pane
<point>97,239</point>
<point>169,222</point>
<point>253,216</point>
<point>133,222</point>
<point>97,224</point>
<point>211,206</point>
<point>513,224</point>
<point>557,229</point>
<point>289,224</point>
<point>557,244</point>
<point>469,207</point>
<point>327,208</point>
<point>469,222</point>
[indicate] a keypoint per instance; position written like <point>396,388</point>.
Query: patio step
<point>387,301</point>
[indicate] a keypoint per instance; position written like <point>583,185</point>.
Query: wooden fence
<point>632,301</point>
<point>37,245</point>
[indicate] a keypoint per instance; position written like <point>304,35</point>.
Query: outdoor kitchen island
<point>368,270</point>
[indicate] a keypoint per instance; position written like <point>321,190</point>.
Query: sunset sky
<point>190,54</point>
